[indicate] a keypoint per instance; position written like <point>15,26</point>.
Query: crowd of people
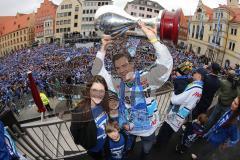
<point>115,108</point>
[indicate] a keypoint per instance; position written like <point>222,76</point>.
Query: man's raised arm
<point>98,67</point>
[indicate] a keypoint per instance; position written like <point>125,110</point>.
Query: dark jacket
<point>83,128</point>
<point>180,83</point>
<point>210,87</point>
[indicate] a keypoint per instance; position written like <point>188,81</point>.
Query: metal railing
<point>52,139</point>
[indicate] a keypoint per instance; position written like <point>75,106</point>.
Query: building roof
<point>236,17</point>
<point>207,10</point>
<point>14,23</point>
<point>234,12</point>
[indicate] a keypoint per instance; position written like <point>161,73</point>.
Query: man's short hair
<point>120,55</point>
<point>216,68</point>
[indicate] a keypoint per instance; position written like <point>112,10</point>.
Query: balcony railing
<point>52,139</point>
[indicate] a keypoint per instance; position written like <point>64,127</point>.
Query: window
<point>210,28</point>
<point>69,13</point>
<point>235,32</point>
<point>149,9</point>
<point>66,6</point>
<point>70,6</point>
<point>77,9</point>
<point>201,33</point>
<point>233,46</point>
<point>75,24</point>
<point>156,11</point>
<point>90,11</point>
<point>58,23</point>
<point>76,17</point>
<point>62,6</point>
<point>230,45</point>
<point>197,34</point>
<point>57,30</point>
<point>87,11</point>
<point>99,3</point>
<point>193,31</point>
<point>149,16</point>
<point>65,14</point>
<point>142,8</point>
<point>141,15</point>
<point>68,29</point>
<point>209,39</point>
<point>94,10</point>
<point>83,11</point>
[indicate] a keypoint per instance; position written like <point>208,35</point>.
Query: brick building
<point>45,22</point>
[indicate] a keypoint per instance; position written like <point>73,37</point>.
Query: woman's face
<point>235,104</point>
<point>97,92</point>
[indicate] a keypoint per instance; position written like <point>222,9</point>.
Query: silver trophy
<point>114,21</point>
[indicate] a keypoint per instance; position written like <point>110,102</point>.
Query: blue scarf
<point>220,122</point>
<point>137,113</point>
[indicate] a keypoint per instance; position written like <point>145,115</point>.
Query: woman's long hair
<point>233,116</point>
<point>83,110</point>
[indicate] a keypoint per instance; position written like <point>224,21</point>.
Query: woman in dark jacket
<point>88,119</point>
<point>223,134</point>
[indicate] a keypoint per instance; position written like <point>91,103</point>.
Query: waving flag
<point>201,25</point>
<point>218,29</point>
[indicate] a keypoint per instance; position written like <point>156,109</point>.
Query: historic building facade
<point>215,32</point>
<point>44,22</point>
<point>89,9</point>
<point>143,8</point>
<point>68,18</point>
<point>16,32</point>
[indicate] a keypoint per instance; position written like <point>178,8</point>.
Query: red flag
<point>35,93</point>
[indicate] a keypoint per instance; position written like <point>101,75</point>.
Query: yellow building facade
<point>220,36</point>
<point>68,18</point>
<point>16,33</point>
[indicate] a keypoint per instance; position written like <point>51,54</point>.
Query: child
<point>115,143</point>
<point>113,114</point>
<point>193,131</point>
<point>113,106</point>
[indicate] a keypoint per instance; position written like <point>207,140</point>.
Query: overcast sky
<point>11,7</point>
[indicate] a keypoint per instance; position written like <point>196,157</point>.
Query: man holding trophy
<point>138,112</point>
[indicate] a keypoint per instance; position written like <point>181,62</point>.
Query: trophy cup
<point>114,21</point>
